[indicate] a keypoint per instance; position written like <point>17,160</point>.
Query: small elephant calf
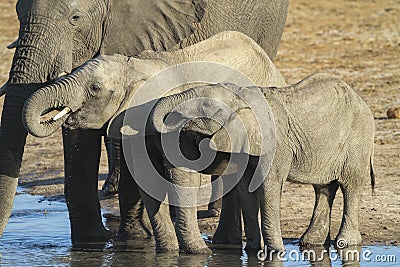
<point>324,136</point>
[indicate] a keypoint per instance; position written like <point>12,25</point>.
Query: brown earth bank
<point>358,40</point>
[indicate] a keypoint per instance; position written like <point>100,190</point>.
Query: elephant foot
<point>202,214</point>
<point>227,239</point>
<point>252,245</point>
<point>252,248</point>
<point>86,238</point>
<point>167,246</point>
<point>196,249</point>
<point>133,232</point>
<point>275,246</point>
<point>227,236</point>
<point>191,242</point>
<point>315,237</point>
<point>348,238</point>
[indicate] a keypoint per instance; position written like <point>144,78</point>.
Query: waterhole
<point>38,234</point>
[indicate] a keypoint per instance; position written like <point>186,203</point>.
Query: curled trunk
<point>165,106</point>
<point>61,96</point>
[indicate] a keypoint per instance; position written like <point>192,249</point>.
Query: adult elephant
<point>56,37</point>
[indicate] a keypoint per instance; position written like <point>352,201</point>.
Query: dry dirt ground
<point>358,40</point>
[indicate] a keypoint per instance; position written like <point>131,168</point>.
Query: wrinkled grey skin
<point>324,137</point>
<point>110,185</point>
<point>58,36</point>
<point>102,89</point>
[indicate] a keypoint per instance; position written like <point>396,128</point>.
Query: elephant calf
<point>318,131</point>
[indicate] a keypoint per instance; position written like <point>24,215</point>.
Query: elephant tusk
<point>62,113</point>
<point>62,74</point>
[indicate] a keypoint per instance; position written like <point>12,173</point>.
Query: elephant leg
<point>81,158</point>
<point>186,226</point>
<point>134,221</point>
<point>146,165</point>
<point>229,230</point>
<point>270,202</point>
<point>161,223</point>
<point>250,209</point>
<point>318,232</point>
<point>214,207</point>
<point>113,146</point>
<point>349,233</point>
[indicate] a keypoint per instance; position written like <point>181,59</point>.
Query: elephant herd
<point>189,88</point>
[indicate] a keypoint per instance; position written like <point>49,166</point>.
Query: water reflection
<point>38,234</point>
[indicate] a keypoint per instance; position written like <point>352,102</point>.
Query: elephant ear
<point>136,25</point>
<point>240,134</point>
<point>23,7</point>
<point>131,122</point>
<point>138,101</point>
<point>248,130</point>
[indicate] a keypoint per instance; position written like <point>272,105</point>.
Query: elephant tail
<point>372,175</point>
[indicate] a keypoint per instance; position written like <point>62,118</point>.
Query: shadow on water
<point>38,234</point>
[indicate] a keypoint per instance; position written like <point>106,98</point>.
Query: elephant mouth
<point>73,121</point>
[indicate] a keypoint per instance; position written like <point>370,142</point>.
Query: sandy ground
<point>358,40</point>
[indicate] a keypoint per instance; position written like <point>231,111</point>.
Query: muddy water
<point>38,234</point>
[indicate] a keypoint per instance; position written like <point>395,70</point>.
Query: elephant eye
<point>96,88</point>
<point>74,20</point>
<point>207,104</point>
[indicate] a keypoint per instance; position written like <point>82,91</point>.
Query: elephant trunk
<point>3,89</point>
<point>13,138</point>
<point>62,96</point>
<point>8,188</point>
<point>165,106</point>
<point>33,65</point>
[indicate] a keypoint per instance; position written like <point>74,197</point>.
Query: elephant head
<point>237,119</point>
<point>90,96</point>
<point>56,37</point>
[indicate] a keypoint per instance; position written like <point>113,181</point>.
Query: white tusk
<point>62,113</point>
<point>62,74</point>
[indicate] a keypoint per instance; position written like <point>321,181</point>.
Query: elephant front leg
<point>148,171</point>
<point>113,146</point>
<point>318,232</point>
<point>134,221</point>
<point>81,158</point>
<point>229,230</point>
<point>161,223</point>
<point>184,197</point>
<point>250,207</point>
